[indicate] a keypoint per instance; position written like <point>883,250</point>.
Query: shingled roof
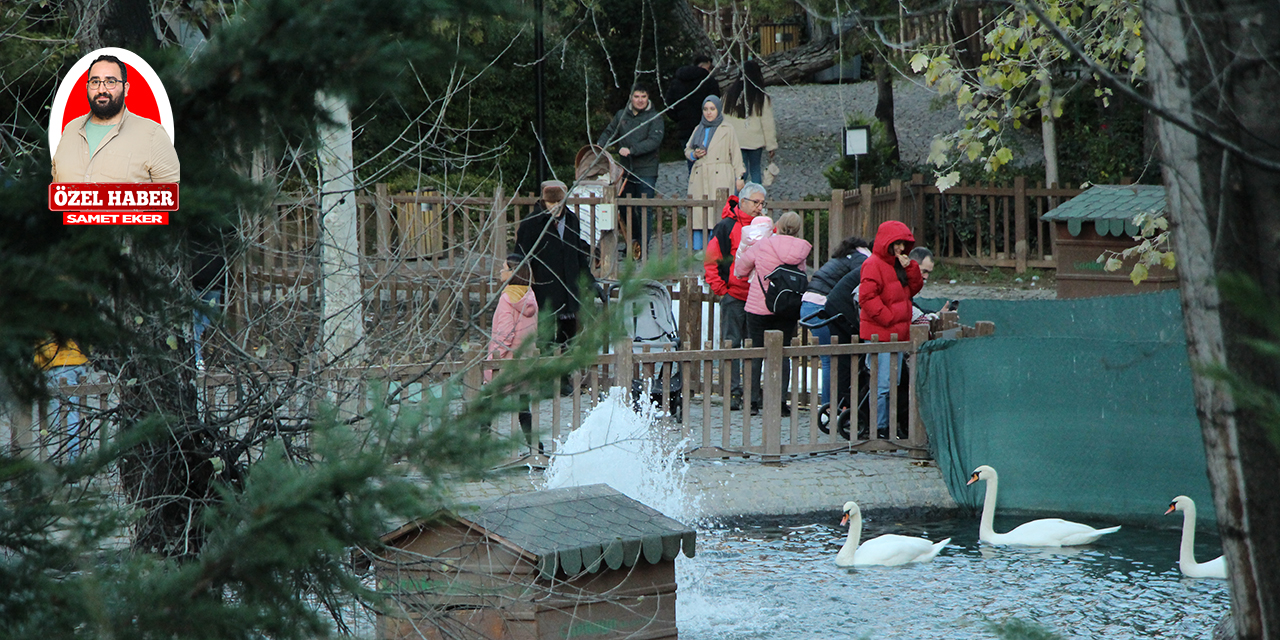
<point>585,528</point>
<point>576,529</point>
<point>1110,208</point>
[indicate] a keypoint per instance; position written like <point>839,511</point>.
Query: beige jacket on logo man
<point>135,150</point>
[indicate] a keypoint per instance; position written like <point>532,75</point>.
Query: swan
<point>887,550</point>
<point>1216,568</point>
<point>1047,532</point>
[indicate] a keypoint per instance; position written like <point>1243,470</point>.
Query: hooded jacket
<point>514,321</point>
<point>735,218</point>
<point>641,133</point>
<point>756,263</point>
<point>685,95</point>
<point>885,302</point>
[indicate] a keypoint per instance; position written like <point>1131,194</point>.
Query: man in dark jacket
<point>560,258</point>
<point>718,267</point>
<point>686,93</point>
<point>636,131</point>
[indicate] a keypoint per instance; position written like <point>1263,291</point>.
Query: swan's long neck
<point>987,528</point>
<point>855,533</point>
<point>1187,553</point>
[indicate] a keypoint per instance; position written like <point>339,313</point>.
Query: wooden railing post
<point>1020,223</point>
<point>835,221</point>
<point>895,185</point>
<point>382,216</point>
<point>771,384</point>
<point>623,364</point>
<point>866,209</point>
<point>916,435</point>
<point>498,237</point>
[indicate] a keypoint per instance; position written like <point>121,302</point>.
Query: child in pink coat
<point>515,320</point>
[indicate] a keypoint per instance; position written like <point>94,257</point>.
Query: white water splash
<point>626,450</point>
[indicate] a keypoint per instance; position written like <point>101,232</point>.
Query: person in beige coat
<point>750,111</point>
<point>717,164</point>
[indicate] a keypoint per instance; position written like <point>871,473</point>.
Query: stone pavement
<point>730,488</point>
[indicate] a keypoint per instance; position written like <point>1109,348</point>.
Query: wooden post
<point>916,435</point>
<point>895,185</point>
<point>771,388</point>
<point>622,367</point>
<point>835,220</point>
<point>865,208</point>
<point>498,236</point>
<point>382,215</point>
<point>984,328</point>
<point>1020,223</point>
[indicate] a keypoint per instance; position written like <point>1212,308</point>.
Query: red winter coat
<point>885,303</point>
<point>736,287</point>
<point>514,321</point>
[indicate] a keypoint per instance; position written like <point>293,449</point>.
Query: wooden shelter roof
<point>1111,208</point>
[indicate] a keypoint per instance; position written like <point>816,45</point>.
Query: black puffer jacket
<point>840,302</point>
<point>826,277</point>
<point>558,262</point>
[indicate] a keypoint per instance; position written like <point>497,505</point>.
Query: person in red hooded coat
<point>890,278</point>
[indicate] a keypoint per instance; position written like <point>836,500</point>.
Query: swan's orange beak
<point>1170,509</point>
<point>972,479</point>
<point>844,520</point>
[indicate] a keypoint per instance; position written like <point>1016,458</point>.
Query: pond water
<point>776,578</point>
<point>779,580</point>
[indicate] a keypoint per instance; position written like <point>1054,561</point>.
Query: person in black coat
<point>560,258</point>
<point>686,93</point>
<point>846,257</point>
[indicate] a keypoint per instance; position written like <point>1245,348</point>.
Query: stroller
<point>845,329</point>
<point>650,321</point>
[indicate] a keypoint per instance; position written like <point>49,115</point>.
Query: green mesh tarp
<point>1076,413</point>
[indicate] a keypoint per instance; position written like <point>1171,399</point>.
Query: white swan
<point>887,550</point>
<point>1048,532</point>
<point>1216,568</point>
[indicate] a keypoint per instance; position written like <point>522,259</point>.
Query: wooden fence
<point>709,424</point>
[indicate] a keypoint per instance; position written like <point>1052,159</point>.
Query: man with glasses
<point>718,266</point>
<point>110,144</point>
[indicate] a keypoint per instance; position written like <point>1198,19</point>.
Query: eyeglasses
<point>109,83</point>
<point>759,202</point>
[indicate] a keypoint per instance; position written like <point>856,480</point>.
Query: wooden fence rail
<point>710,425</point>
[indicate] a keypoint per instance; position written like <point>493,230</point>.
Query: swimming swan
<point>887,550</point>
<point>1047,532</point>
<point>1216,568</point>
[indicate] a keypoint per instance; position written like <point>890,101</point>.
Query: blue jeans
<point>754,159</point>
<point>200,321</point>
<point>823,334</point>
<point>67,375</point>
<point>639,187</point>
<point>882,387</point>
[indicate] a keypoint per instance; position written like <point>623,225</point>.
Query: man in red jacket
<point>721,248</point>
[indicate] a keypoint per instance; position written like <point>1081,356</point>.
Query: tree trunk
<point>790,66</point>
<point>1226,216</point>
<point>884,105</point>
<point>692,29</point>
<point>1049,138</point>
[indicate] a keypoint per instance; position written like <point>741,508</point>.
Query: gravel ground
<point>810,121</point>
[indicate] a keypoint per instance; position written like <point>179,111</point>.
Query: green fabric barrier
<point>1144,316</point>
<point>1084,423</point>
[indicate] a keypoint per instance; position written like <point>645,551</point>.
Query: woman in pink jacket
<point>754,264</point>
<point>515,320</point>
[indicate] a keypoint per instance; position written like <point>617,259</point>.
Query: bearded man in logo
<point>110,144</point>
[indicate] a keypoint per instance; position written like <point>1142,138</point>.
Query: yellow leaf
<point>946,182</point>
<point>919,62</point>
<point>172,342</point>
<point>1138,274</point>
<point>1113,264</point>
<point>1169,261</point>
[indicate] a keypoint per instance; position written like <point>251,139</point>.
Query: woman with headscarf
<point>717,164</point>
<point>750,111</point>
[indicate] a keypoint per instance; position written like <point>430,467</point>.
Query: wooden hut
<point>1099,220</point>
<point>579,562</point>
